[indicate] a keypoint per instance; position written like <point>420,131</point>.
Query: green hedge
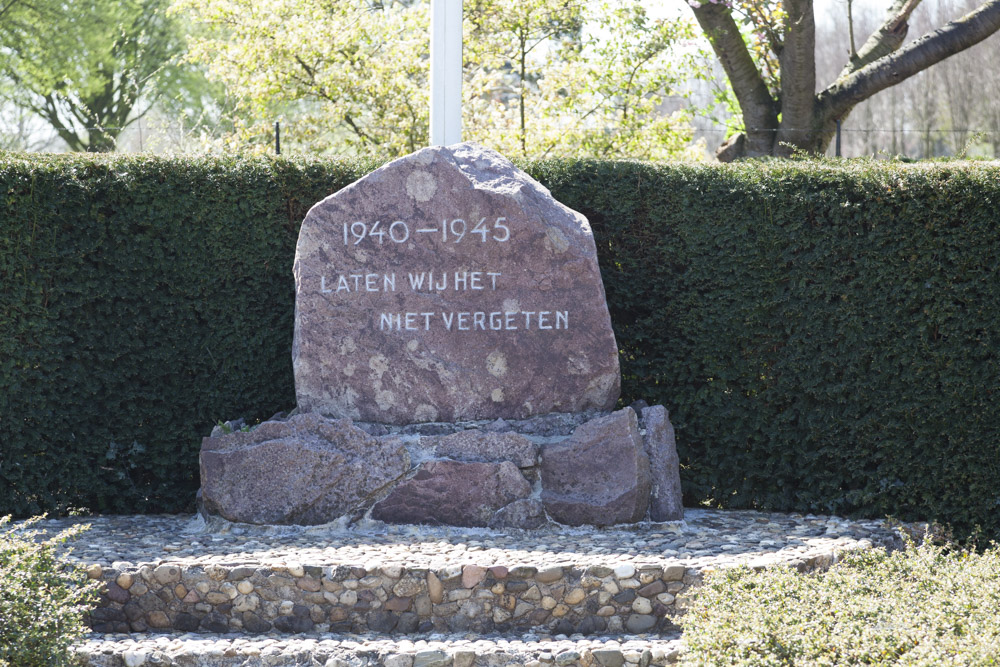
<point>825,335</point>
<point>141,300</point>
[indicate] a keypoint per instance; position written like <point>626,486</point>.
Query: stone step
<point>333,650</point>
<point>177,574</point>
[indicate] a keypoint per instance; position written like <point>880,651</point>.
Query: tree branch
<point>7,7</point>
<point>886,39</point>
<point>913,58</point>
<point>723,33</point>
<point>49,110</point>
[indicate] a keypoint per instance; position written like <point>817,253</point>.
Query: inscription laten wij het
<point>453,231</point>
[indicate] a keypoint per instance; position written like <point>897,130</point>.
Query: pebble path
<point>371,650</point>
<point>705,539</point>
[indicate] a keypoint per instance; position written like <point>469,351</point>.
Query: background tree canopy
<point>633,79</point>
<point>542,77</point>
<point>92,70</point>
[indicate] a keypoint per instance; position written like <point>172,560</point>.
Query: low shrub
<point>43,597</point>
<point>925,605</point>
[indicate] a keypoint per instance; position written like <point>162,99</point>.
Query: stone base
<point>305,597</point>
<point>175,574</point>
<point>588,468</point>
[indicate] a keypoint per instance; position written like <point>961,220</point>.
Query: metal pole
<point>446,72</point>
<point>277,137</point>
<point>838,137</point>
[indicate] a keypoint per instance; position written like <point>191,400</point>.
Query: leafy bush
<point>925,605</point>
<point>43,598</point>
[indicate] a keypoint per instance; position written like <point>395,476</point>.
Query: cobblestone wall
<point>297,598</point>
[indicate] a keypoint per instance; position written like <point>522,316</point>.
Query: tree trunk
<point>100,141</point>
<point>760,109</point>
<point>797,130</point>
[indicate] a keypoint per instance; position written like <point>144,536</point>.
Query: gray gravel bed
<point>706,538</point>
<point>331,650</point>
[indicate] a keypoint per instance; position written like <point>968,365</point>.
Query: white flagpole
<point>446,72</point>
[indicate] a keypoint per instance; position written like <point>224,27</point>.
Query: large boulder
<point>664,466</point>
<point>599,475</point>
<point>307,470</point>
<point>449,285</point>
<point>455,493</point>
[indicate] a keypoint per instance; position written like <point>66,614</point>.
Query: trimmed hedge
<point>141,300</point>
<point>825,335</point>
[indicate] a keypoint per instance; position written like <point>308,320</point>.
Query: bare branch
<point>885,40</point>
<point>913,58</point>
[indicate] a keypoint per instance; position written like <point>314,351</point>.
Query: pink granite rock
<point>661,448</point>
<point>599,475</point>
<point>453,493</point>
<point>449,285</point>
<point>306,470</point>
<point>476,445</point>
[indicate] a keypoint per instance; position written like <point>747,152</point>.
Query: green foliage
<point>349,75</point>
<point>83,66</point>
<point>550,78</point>
<point>824,335</point>
<point>43,598</point>
<point>924,605</point>
<point>541,77</point>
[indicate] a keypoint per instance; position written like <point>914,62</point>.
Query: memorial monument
<point>454,363</point>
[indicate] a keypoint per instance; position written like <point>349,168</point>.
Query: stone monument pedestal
<point>591,468</point>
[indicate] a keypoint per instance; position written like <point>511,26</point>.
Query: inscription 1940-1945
<point>453,230</point>
<point>451,316</point>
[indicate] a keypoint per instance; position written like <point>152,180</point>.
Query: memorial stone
<point>454,363</point>
<point>449,285</point>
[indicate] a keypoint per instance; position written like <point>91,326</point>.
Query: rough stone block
<point>307,470</point>
<point>661,448</point>
<point>476,445</point>
<point>599,475</point>
<point>449,285</point>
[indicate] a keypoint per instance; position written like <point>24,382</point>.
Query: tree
<point>352,77</point>
<point>568,78</point>
<point>781,110</point>
<point>84,65</point>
